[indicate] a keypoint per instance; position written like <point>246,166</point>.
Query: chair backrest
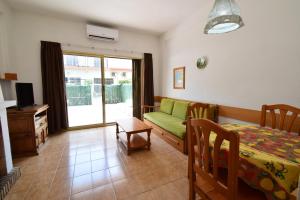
<point>207,167</point>
<point>285,118</point>
<point>198,110</point>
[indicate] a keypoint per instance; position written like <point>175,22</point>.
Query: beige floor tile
<point>91,164</point>
<point>82,158</point>
<point>67,161</point>
<point>97,147</point>
<point>105,192</point>
<point>37,192</point>
<point>143,196</point>
<point>50,165</point>
<point>83,149</point>
<point>83,168</point>
<point>101,178</point>
<point>100,164</point>
<point>113,161</point>
<point>167,192</point>
<point>136,166</point>
<point>60,189</point>
<point>118,173</point>
<point>86,195</point>
<point>42,177</point>
<point>127,187</point>
<point>82,183</point>
<point>23,184</point>
<point>65,172</point>
<point>69,152</point>
<point>31,168</point>
<point>15,196</point>
<point>147,180</point>
<point>98,154</point>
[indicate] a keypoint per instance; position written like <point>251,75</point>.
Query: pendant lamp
<point>224,17</point>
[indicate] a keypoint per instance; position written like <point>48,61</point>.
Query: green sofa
<point>170,117</point>
<point>169,120</point>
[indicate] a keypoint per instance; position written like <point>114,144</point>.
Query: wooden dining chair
<point>196,111</point>
<point>204,177</point>
<point>282,116</point>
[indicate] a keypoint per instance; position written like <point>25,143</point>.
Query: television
<point>24,94</point>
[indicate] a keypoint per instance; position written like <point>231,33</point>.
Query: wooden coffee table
<point>129,137</point>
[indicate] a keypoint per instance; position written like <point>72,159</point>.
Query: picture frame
<point>179,78</point>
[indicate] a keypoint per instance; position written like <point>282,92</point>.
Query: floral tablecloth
<point>269,159</point>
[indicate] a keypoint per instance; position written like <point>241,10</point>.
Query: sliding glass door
<point>83,89</point>
<point>99,89</point>
<point>118,88</point>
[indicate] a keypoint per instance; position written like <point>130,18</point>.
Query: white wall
<point>30,29</point>
<point>5,30</point>
<point>5,42</point>
<point>257,64</point>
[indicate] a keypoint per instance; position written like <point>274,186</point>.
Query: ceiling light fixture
<point>224,17</point>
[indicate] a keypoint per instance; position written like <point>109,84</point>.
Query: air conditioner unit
<point>102,33</point>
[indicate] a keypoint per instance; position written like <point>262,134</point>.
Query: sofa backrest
<point>176,108</point>
<point>180,109</point>
<point>166,105</point>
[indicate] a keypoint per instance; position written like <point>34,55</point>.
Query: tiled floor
<point>89,164</point>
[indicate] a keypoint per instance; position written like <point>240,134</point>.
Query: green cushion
<point>167,122</point>
<point>166,106</point>
<point>180,109</point>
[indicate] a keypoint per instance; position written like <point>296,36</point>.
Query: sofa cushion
<point>167,122</point>
<point>166,106</point>
<point>180,109</point>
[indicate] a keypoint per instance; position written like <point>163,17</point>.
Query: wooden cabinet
<point>28,129</point>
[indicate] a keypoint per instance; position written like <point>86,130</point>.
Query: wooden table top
<point>133,125</point>
<point>28,109</point>
<point>260,148</point>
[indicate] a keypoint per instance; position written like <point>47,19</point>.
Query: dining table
<point>269,159</point>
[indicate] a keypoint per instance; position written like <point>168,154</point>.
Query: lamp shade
<point>224,17</point>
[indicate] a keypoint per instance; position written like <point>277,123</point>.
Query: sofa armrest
<point>148,108</point>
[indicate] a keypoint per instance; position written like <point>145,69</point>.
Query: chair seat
<point>245,192</point>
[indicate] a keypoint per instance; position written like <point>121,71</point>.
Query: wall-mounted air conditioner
<point>102,33</point>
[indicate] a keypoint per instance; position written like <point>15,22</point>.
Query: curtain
<point>136,87</point>
<point>54,92</point>
<point>148,80</point>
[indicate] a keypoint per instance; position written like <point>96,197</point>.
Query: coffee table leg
<point>117,130</point>
<point>128,143</point>
<point>148,139</point>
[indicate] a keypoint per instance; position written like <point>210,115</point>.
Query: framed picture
<point>179,78</point>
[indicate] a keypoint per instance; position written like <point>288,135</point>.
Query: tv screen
<point>24,94</point>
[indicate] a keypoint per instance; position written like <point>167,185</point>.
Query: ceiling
<point>155,16</point>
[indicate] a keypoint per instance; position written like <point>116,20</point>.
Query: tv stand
<point>28,129</point>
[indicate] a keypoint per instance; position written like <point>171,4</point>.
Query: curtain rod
<point>98,48</point>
